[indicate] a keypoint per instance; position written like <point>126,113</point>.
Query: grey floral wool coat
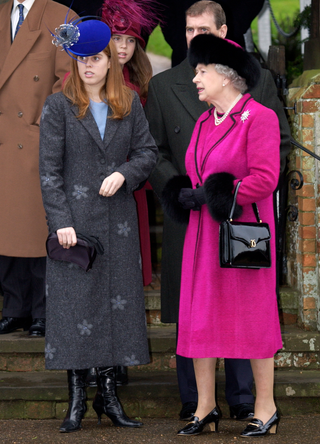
<point>95,318</point>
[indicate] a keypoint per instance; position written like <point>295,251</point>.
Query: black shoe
<point>195,427</point>
<point>38,327</point>
<point>187,411</point>
<point>107,402</point>
<point>242,412</point>
<point>91,380</point>
<point>257,428</point>
<point>7,325</point>
<point>77,401</point>
<point>121,375</point>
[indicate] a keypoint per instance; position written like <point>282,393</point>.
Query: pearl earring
<point>223,84</point>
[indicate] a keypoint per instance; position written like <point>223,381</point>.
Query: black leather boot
<point>77,401</point>
<point>107,402</point>
<point>121,375</point>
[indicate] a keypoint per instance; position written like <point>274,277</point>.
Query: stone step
<point>288,302</point>
<point>301,350</point>
<point>44,395</point>
<point>152,301</point>
<point>20,352</point>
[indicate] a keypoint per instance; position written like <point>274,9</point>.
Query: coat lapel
<point>28,34</point>
<point>90,125</point>
<point>186,95</point>
<point>111,128</point>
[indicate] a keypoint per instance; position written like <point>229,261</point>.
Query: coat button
<point>102,176</point>
<point>1,113</point>
<point>177,129</point>
<point>20,146</point>
<point>36,78</point>
<point>20,114</point>
<point>102,161</point>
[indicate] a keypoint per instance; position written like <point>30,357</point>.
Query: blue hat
<point>82,39</point>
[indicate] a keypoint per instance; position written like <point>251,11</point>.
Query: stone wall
<point>303,240</point>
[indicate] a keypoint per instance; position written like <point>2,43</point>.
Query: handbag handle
<point>254,205</point>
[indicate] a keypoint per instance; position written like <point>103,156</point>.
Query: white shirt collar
<point>27,5</point>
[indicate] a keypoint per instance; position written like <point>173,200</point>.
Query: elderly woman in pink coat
<point>227,312</point>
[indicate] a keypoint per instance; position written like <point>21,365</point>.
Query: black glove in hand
<point>192,199</point>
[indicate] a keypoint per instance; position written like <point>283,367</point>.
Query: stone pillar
<point>303,244</point>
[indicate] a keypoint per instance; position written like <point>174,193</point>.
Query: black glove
<point>192,199</point>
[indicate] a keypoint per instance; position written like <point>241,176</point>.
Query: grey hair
<point>238,82</point>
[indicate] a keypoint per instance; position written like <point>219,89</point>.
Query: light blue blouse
<point>100,112</point>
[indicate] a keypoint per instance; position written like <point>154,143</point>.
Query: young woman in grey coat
<point>95,150</point>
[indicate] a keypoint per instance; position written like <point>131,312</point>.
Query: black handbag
<point>82,254</point>
<point>244,244</point>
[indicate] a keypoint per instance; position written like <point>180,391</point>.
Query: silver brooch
<point>245,115</point>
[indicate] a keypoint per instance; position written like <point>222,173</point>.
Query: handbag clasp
<point>253,243</point>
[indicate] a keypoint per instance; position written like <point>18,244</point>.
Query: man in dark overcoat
<point>31,68</point>
<point>239,13</point>
<point>172,110</point>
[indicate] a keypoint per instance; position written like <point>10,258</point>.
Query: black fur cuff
<point>169,199</point>
<point>218,190</point>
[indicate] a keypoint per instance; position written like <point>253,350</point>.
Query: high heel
<point>77,401</point>
<point>195,427</point>
<point>257,428</point>
<point>107,402</point>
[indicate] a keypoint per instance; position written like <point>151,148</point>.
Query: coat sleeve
<point>269,98</point>
<point>263,158</point>
<point>143,151</point>
<point>164,169</point>
<point>52,148</point>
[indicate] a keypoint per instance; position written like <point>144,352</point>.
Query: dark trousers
<point>23,286</point>
<point>239,380</point>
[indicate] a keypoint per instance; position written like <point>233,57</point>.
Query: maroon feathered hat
<point>130,17</point>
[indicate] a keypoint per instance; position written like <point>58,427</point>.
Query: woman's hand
<point>111,184</point>
<point>67,237</point>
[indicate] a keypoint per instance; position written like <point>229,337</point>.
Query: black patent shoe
<point>195,427</point>
<point>256,427</point>
<point>38,327</point>
<point>8,325</point>
<point>242,412</point>
<point>187,411</point>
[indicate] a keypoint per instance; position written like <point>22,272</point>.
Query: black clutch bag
<point>82,254</point>
<point>244,244</point>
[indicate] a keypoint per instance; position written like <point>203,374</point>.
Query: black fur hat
<point>207,49</point>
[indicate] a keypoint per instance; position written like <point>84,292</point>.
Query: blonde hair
<point>118,96</point>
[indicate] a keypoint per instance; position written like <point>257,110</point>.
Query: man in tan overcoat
<point>31,68</point>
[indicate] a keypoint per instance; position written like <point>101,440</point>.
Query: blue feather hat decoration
<point>85,36</point>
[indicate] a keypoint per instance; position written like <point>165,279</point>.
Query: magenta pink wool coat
<point>230,313</point>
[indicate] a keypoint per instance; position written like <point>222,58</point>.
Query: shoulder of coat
<point>180,73</point>
<point>256,109</point>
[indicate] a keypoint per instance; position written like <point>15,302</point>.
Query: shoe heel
<point>99,412</point>
<point>273,430</point>
<point>213,427</point>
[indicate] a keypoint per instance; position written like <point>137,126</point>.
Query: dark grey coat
<point>95,318</point>
<point>172,109</point>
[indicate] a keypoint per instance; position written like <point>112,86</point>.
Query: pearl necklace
<point>218,120</point>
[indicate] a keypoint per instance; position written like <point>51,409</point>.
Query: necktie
<point>21,18</point>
